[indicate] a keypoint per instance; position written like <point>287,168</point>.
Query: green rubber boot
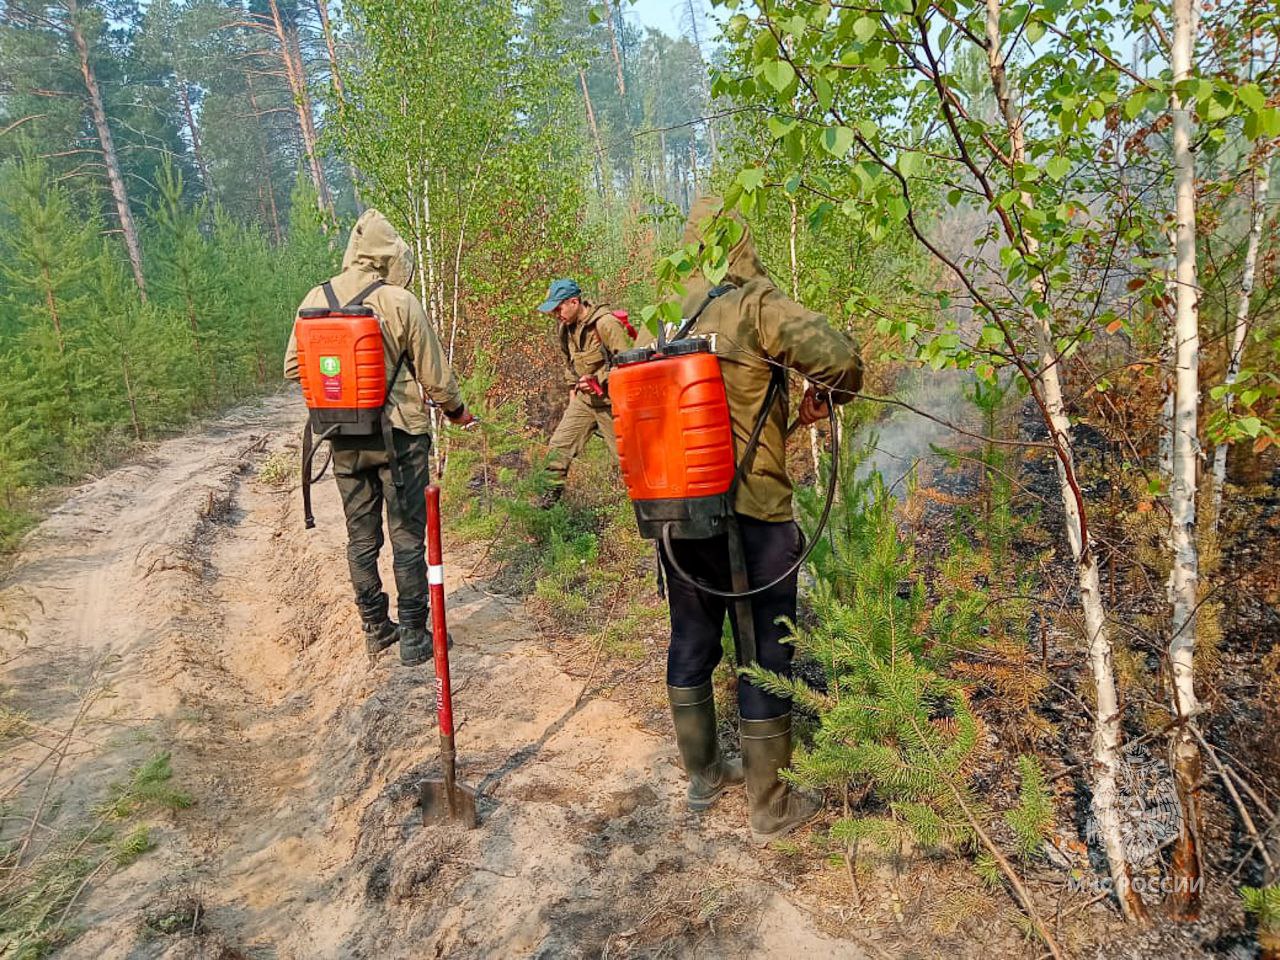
<point>777,808</point>
<point>693,711</point>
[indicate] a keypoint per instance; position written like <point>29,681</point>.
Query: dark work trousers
<point>697,618</point>
<point>363,472</point>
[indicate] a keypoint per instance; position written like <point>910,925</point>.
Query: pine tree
<point>143,354</point>
<point>184,279</point>
<point>890,722</point>
<point>48,257</point>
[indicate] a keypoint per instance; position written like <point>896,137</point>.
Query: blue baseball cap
<point>561,290</point>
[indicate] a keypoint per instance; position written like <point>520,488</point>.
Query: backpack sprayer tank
<point>675,442</point>
<point>343,370</point>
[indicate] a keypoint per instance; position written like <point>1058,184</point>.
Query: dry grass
<point>49,856</point>
<point>280,469</point>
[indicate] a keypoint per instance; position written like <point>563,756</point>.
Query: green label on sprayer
<point>330,366</point>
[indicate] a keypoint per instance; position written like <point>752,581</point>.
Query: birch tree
<point>1259,184</point>
<point>1184,578</point>
<point>881,100</point>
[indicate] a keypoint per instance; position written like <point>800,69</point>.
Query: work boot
<point>693,711</point>
<point>550,497</point>
<point>415,645</point>
<point>379,635</point>
<point>776,807</point>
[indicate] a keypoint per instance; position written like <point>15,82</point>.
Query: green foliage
<point>1263,903</point>
<point>1016,183</point>
<point>132,845</point>
<point>988,587</point>
<point>88,366</point>
<point>148,790</point>
<point>892,720</point>
<point>889,720</point>
<point>1033,818</point>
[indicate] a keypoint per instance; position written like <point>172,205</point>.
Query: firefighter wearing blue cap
<point>590,334</point>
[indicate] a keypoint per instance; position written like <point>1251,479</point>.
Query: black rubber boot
<point>693,711</point>
<point>415,645</point>
<point>378,636</point>
<point>419,640</point>
<point>777,808</point>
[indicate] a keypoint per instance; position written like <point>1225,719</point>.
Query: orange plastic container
<point>343,369</point>
<point>675,440</point>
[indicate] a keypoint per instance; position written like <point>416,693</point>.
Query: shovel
<point>446,799</point>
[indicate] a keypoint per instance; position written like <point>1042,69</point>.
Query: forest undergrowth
<point>946,718</point>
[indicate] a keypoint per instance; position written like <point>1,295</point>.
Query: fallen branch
<point>1245,818</point>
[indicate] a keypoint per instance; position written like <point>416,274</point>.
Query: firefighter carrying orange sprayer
<point>368,361</point>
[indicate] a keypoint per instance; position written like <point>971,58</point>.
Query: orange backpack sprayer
<point>342,365</point>
<point>676,450</point>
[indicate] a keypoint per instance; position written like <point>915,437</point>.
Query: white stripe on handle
<point>435,573</point>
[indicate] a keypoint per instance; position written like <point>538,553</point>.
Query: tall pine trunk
<point>1184,578</point>
<point>295,74</point>
<point>264,172</point>
<point>322,8</point>
<point>109,156</point>
<point>1107,733</point>
<point>197,148</point>
<point>602,164</point>
<point>616,54</point>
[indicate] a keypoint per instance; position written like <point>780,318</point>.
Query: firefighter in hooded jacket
<point>590,335</point>
<point>756,331</point>
<point>361,465</point>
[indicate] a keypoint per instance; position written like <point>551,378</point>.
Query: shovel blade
<point>438,806</point>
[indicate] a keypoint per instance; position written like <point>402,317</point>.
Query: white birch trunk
<point>432,305</point>
<point>1168,361</point>
<point>1184,577</point>
<point>1261,183</point>
<point>1107,729</point>
<point>1182,581</point>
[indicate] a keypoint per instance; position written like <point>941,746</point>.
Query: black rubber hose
<point>817,533</point>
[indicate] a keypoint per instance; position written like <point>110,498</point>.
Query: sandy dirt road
<point>187,587</point>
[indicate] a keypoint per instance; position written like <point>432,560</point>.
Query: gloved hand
<point>589,384</point>
<point>466,420</point>
<point>815,406</point>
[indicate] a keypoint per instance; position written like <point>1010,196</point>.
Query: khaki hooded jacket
<point>589,347</point>
<point>375,251</point>
<point>755,328</point>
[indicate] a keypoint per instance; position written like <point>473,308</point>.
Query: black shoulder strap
<point>330,296</point>
<point>604,347</point>
<point>404,359</point>
<point>358,299</point>
<point>777,389</point>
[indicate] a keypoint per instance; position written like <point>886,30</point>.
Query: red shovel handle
<point>439,628</point>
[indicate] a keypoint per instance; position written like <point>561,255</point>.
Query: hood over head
<point>375,246</point>
<point>744,263</point>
